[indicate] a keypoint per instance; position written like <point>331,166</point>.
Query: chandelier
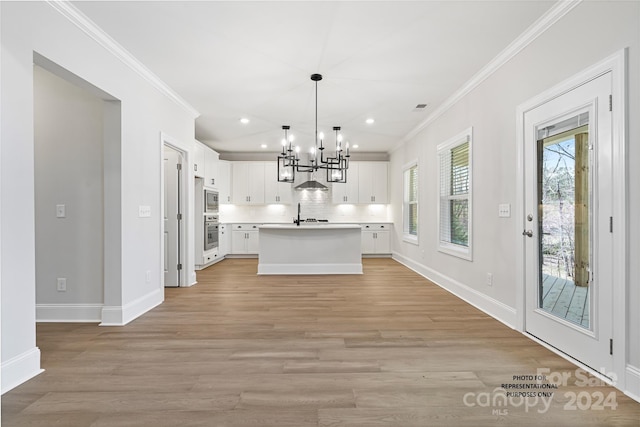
<point>335,164</point>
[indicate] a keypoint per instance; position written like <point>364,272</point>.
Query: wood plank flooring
<point>387,348</point>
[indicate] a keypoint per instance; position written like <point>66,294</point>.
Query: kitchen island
<point>310,249</point>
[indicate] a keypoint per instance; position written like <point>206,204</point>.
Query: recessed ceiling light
<point>370,121</point>
<point>355,146</point>
<point>263,146</point>
<point>244,120</point>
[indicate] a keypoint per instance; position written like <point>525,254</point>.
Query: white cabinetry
<point>247,183</point>
<point>198,159</point>
<point>274,191</point>
<point>224,240</point>
<point>347,192</point>
<point>224,182</point>
<point>211,168</point>
<point>376,239</point>
<point>244,239</point>
<point>372,182</point>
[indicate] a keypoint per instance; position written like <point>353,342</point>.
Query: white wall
<point>586,35</point>
<point>29,27</point>
<point>68,141</point>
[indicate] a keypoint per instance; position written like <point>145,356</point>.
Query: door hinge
<point>179,217</point>
<point>179,266</point>
<point>611,346</point>
<point>610,102</point>
<point>179,166</point>
<point>610,224</point>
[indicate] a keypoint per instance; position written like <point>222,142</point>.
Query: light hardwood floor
<point>387,348</point>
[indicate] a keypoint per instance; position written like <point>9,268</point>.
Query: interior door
<point>568,206</point>
<point>172,217</point>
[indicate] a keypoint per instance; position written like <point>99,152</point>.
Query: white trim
<point>121,315</point>
<point>492,307</point>
<point>310,268</point>
<point>20,369</point>
<point>75,16</point>
<point>616,64</point>
<point>83,313</point>
<point>632,382</point>
<point>553,15</point>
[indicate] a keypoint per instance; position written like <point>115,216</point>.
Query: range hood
<point>312,184</point>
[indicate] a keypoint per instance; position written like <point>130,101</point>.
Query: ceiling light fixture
<point>370,121</point>
<point>244,120</point>
<point>336,164</point>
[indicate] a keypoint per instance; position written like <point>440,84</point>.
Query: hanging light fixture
<point>336,164</point>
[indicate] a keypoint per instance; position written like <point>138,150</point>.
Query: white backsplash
<point>313,204</point>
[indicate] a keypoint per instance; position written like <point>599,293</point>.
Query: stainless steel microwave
<point>210,201</point>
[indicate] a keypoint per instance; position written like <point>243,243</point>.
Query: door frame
<point>617,65</point>
<point>187,206</point>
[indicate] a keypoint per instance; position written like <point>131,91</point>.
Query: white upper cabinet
<point>224,182</point>
<point>274,191</point>
<point>347,192</point>
<point>211,168</point>
<point>373,182</point>
<point>198,159</point>
<point>247,183</point>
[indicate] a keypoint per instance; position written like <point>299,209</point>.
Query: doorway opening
<point>76,139</point>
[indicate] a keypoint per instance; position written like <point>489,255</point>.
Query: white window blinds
<point>411,201</point>
<point>454,225</point>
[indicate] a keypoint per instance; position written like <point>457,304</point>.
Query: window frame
<point>406,234</point>
<point>444,246</point>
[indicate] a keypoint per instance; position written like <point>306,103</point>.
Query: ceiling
<point>379,59</point>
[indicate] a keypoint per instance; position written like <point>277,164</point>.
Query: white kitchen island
<point>310,249</point>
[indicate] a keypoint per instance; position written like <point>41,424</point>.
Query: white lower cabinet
<point>210,256</point>
<point>244,239</point>
<point>224,240</point>
<point>376,239</point>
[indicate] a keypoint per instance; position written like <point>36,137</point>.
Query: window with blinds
<point>410,203</point>
<point>454,219</point>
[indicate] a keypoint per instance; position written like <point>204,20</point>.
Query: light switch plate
<point>61,211</point>
<point>144,211</point>
<point>504,210</point>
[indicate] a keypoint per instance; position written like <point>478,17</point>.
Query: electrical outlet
<point>489,279</point>
<point>62,284</point>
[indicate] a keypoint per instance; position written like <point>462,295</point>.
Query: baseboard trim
<point>494,308</point>
<point>80,313</point>
<point>632,382</point>
<point>121,315</point>
<point>20,369</point>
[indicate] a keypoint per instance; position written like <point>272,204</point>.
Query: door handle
<point>527,233</point>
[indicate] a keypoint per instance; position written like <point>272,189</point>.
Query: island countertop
<point>309,226</point>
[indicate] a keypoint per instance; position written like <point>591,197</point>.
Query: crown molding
<point>553,15</point>
<point>75,16</point>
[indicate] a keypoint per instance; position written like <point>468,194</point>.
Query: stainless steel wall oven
<point>211,230</point>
